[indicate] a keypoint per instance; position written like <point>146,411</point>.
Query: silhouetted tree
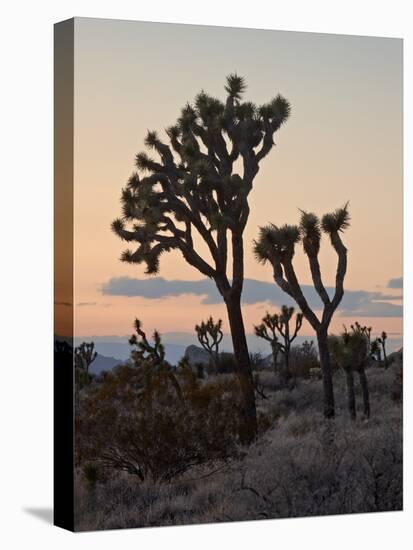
<point>143,349</point>
<point>85,354</point>
<point>364,330</point>
<point>150,358</point>
<point>350,351</point>
<point>280,322</point>
<point>210,336</point>
<point>276,245</point>
<point>267,331</point>
<point>375,350</point>
<point>382,342</point>
<point>194,194</point>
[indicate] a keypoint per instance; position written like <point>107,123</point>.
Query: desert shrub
<point>289,471</point>
<point>158,423</point>
<point>268,381</point>
<point>397,384</point>
<point>302,359</point>
<point>82,378</point>
<point>226,363</point>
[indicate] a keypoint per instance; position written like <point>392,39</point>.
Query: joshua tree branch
<point>237,262</point>
<point>298,295</point>
<point>341,251</point>
<point>316,276</point>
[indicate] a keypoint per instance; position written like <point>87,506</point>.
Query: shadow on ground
<point>45,514</point>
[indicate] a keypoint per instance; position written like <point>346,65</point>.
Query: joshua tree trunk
<point>244,373</point>
<point>325,363</point>
<point>285,371</point>
<point>215,362</point>
<point>351,398</point>
<point>275,352</point>
<point>385,356</point>
<point>365,392</point>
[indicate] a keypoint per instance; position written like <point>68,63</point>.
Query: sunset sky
<point>342,142</point>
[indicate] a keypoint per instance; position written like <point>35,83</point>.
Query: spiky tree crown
<point>193,184</point>
<point>276,245</point>
<point>85,354</point>
<point>279,322</point>
<point>279,242</point>
<point>210,334</point>
<point>276,242</point>
<point>311,232</point>
<point>143,350</point>
<point>337,221</point>
<point>350,349</point>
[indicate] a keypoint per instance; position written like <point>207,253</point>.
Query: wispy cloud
<point>360,303</point>
<point>395,283</point>
<point>92,304</point>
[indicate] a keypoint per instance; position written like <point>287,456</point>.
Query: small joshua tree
<point>194,194</point>
<point>280,322</point>
<point>210,336</point>
<point>350,351</point>
<point>364,330</point>
<point>150,358</point>
<point>276,245</point>
<point>84,356</point>
<point>267,331</point>
<point>382,342</point>
<point>143,349</point>
<point>375,350</point>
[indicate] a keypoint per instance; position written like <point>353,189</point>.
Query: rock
<point>396,358</point>
<point>196,356</point>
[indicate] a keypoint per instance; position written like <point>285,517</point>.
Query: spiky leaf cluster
<point>336,221</point>
<point>350,350</point>
<point>276,242</point>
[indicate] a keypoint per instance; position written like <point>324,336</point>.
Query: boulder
<point>196,356</point>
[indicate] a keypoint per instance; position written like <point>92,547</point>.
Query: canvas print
<point>228,274</point>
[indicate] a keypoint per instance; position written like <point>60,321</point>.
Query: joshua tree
<point>280,322</point>
<point>382,342</point>
<point>210,336</point>
<point>193,195</point>
<point>144,350</point>
<point>357,327</point>
<point>84,356</point>
<point>375,350</point>
<point>350,351</point>
<point>276,245</point>
<point>150,358</point>
<point>267,331</point>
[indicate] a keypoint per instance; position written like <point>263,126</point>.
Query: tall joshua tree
<point>280,322</point>
<point>193,194</point>
<point>276,245</point>
<point>210,336</point>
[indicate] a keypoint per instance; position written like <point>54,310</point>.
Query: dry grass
<point>302,466</point>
